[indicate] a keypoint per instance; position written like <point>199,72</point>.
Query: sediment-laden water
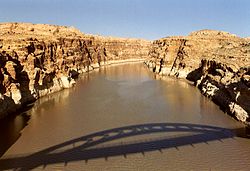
<point>122,118</point>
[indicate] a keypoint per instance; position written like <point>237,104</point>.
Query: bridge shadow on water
<point>93,145</point>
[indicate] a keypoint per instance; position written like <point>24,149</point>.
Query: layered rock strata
<point>217,62</point>
<point>39,59</point>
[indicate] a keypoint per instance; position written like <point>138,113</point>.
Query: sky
<point>148,19</point>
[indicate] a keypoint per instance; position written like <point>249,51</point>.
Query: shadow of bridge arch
<point>83,148</point>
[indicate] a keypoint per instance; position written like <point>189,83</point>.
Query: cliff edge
<point>217,62</point>
<point>39,59</point>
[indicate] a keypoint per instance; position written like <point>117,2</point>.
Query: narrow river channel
<point>122,118</point>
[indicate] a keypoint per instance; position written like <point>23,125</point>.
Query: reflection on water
<point>122,118</point>
<point>10,129</point>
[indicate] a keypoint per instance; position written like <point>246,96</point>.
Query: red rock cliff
<point>39,59</point>
<point>217,62</point>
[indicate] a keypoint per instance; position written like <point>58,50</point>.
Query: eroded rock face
<point>217,62</point>
<point>227,87</point>
<point>39,59</point>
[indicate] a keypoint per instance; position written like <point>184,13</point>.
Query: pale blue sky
<point>149,19</point>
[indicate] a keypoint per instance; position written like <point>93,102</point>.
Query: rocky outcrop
<point>226,86</point>
<point>39,59</point>
<point>217,62</point>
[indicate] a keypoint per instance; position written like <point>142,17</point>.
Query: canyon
<point>39,59</point>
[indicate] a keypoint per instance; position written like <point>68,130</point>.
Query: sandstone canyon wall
<point>39,59</point>
<point>217,62</point>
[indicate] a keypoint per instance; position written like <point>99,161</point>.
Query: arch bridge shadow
<point>88,147</point>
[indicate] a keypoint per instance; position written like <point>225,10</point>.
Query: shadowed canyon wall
<point>39,59</point>
<point>217,62</point>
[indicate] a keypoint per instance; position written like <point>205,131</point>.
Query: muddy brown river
<point>123,118</point>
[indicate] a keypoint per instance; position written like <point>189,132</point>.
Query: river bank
<point>216,62</point>
<point>39,59</point>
